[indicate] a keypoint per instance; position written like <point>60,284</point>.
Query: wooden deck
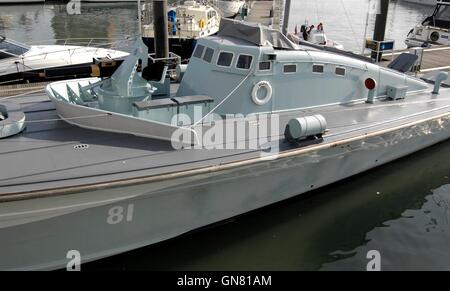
<point>434,59</point>
<point>261,11</point>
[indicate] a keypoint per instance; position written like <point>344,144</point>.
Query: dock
<point>434,59</point>
<point>260,12</point>
<point>266,12</point>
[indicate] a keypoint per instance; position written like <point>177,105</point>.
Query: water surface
<point>344,20</point>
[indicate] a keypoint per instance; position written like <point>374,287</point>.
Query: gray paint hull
<point>38,233</point>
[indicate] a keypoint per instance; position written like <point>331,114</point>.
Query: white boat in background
<point>316,36</point>
<point>422,2</point>
<point>229,8</point>
<point>110,1</point>
<point>20,1</point>
<point>22,63</point>
<point>187,23</point>
<point>434,30</point>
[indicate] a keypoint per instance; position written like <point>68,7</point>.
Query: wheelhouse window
<point>265,66</point>
<point>289,69</point>
<point>199,51</point>
<point>318,69</point>
<point>244,62</point>
<point>209,53</point>
<point>225,59</point>
<point>340,71</point>
<point>211,14</point>
<point>4,55</point>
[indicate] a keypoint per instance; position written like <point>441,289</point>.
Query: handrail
<point>86,39</point>
<point>23,60</point>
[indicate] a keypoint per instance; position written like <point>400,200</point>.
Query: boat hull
<point>47,74</point>
<point>230,9</point>
<point>426,43</point>
<point>53,62</point>
<point>39,233</point>
<point>12,2</point>
<point>422,2</point>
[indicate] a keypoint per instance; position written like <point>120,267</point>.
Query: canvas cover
<point>255,33</point>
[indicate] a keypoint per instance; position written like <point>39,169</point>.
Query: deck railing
<point>83,43</point>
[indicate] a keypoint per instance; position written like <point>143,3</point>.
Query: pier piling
<point>160,22</point>
<point>380,26</point>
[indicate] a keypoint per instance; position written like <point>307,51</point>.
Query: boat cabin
<point>259,70</point>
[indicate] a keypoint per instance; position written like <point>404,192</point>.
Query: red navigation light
<point>370,83</point>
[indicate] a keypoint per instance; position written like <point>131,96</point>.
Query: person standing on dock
<point>320,27</point>
<point>304,31</point>
<point>309,31</point>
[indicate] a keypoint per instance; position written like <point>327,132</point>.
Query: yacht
<point>229,8</point>
<point>101,166</point>
<point>187,23</point>
<point>21,63</point>
<point>434,30</point>
<point>315,36</point>
<point>422,2</point>
<point>109,1</point>
<point>20,1</point>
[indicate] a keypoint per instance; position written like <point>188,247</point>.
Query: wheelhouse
<point>259,70</point>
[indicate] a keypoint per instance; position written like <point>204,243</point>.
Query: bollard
<point>441,76</point>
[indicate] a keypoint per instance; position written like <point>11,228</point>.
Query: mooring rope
<point>22,95</point>
<point>225,99</point>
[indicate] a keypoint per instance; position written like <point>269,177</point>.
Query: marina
<point>113,159</point>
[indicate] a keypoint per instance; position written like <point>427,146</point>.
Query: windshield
<point>440,17</point>
<point>9,48</point>
<point>443,13</point>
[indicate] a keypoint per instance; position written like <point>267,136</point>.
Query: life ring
<point>263,84</point>
<point>201,23</point>
<point>434,36</point>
